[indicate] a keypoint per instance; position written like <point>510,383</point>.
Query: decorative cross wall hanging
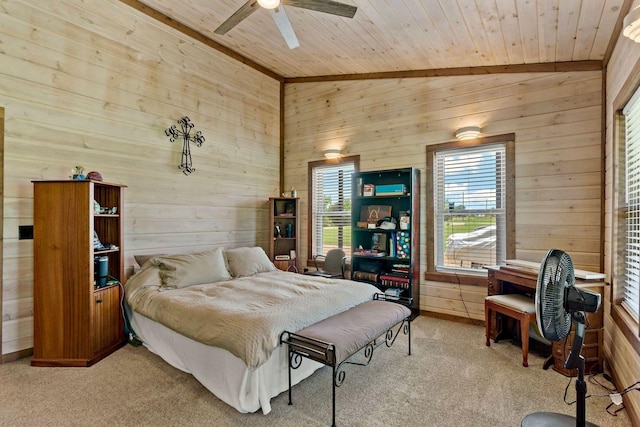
<point>173,133</point>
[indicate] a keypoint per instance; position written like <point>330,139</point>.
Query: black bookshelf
<point>385,231</point>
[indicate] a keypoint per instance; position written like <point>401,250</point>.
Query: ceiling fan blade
<point>247,9</point>
<point>326,6</point>
<point>284,25</point>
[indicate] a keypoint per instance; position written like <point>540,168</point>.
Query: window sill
<point>461,279</point>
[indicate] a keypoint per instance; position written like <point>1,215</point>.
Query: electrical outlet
<point>25,232</point>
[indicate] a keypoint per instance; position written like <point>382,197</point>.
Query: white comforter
<point>246,315</point>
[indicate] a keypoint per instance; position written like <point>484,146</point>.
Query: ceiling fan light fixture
<point>269,4</point>
<point>279,15</point>
<point>631,25</point>
<point>468,132</point>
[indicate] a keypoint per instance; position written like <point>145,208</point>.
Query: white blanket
<point>246,315</point>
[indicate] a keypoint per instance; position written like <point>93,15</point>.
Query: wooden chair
<point>517,306</point>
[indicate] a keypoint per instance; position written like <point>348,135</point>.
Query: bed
<point>218,315</point>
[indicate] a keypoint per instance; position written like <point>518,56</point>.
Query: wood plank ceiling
<point>400,35</point>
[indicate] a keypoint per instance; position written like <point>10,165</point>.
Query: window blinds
<point>331,207</point>
<point>470,206</point>
<point>632,206</point>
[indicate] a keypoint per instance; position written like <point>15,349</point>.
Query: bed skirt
<point>222,373</point>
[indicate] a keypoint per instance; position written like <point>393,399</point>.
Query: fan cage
<point>556,274</point>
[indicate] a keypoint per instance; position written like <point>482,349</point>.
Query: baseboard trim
<point>451,317</point>
<point>12,357</point>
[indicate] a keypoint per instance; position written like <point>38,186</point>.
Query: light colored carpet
<point>451,379</point>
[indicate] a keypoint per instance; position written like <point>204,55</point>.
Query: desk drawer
<point>591,351</point>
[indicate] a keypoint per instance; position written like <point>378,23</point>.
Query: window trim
<point>509,143</point>
<point>623,320</point>
<point>311,166</point>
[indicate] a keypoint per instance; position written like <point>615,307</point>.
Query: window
<point>471,206</point>
<point>629,208</point>
<point>330,205</point>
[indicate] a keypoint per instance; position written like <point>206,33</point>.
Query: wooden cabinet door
<point>107,322</point>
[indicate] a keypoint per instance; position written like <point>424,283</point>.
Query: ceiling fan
<point>280,16</point>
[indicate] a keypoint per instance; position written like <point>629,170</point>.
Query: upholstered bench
<point>334,340</point>
<point>517,306</point>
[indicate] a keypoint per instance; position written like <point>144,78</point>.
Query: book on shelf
<point>391,190</point>
<point>389,194</point>
<point>400,268</point>
<point>365,275</point>
<point>393,278</point>
<point>399,275</point>
<point>393,281</point>
<point>393,252</point>
<point>365,252</point>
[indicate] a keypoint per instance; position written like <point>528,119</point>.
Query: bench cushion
<point>351,330</point>
<point>518,302</point>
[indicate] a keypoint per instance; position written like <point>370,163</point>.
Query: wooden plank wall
<point>556,118</point>
<point>96,84</point>
<point>1,214</point>
<point>623,77</point>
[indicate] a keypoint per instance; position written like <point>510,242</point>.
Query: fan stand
<point>551,419</point>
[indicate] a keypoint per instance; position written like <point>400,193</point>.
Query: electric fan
<point>559,304</point>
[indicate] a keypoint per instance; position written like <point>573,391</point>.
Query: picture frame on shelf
<point>369,190</point>
<point>289,209</point>
<point>379,242</point>
<point>405,220</point>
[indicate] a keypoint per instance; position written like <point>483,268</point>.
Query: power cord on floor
<point>131,335</point>
<point>466,310</point>
<point>617,404</point>
<point>616,398</point>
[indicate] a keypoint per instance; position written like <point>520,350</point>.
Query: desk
<point>506,279</point>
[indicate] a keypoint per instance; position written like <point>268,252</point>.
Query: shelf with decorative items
<point>285,222</point>
<point>385,230</point>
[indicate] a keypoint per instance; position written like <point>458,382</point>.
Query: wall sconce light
<point>631,24</point>
<point>468,132</point>
<point>332,153</point>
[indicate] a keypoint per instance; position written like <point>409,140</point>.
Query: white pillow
<point>142,258</point>
<point>179,271</point>
<point>248,261</point>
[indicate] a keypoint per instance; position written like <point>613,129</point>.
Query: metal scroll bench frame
<point>316,342</point>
